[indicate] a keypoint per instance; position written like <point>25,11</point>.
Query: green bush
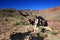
<point>6,19</point>
<point>52,32</point>
<point>21,23</point>
<point>8,10</point>
<point>43,35</point>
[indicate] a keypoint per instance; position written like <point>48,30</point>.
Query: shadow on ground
<point>21,36</point>
<point>37,38</point>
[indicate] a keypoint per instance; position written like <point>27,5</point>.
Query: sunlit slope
<point>50,14</point>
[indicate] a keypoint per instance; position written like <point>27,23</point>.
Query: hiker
<point>35,27</point>
<point>39,21</point>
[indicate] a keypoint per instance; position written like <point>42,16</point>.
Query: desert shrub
<point>43,35</point>
<point>3,10</point>
<point>11,11</point>
<point>21,23</point>
<point>8,10</point>
<point>43,30</point>
<point>52,32</point>
<point>26,23</point>
<point>10,15</point>
<point>6,19</point>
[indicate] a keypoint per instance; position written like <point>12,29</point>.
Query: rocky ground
<point>15,26</point>
<point>26,32</point>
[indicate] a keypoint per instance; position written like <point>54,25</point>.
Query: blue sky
<point>29,4</point>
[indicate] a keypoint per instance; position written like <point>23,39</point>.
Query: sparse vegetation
<point>11,18</point>
<point>43,35</point>
<point>52,32</point>
<point>9,10</point>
